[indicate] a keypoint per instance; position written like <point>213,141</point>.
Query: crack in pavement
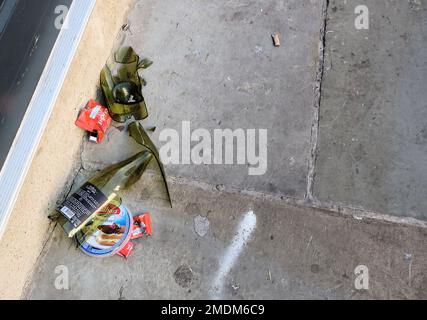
<point>317,102</point>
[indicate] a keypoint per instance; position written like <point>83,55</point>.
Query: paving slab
<point>373,145</point>
<point>289,252</point>
<point>216,66</point>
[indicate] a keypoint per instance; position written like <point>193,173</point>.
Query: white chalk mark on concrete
<point>232,253</point>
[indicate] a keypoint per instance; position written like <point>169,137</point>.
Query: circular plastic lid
<point>108,233</point>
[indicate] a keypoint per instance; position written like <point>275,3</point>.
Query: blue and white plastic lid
<point>111,237</point>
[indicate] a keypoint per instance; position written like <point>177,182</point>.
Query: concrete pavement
<point>372,137</point>
<point>292,252</point>
<point>215,66</point>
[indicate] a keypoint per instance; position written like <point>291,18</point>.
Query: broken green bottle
<point>137,132</point>
<point>122,85</point>
<point>105,187</point>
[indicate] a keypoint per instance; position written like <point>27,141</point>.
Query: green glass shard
<point>122,85</point>
<point>137,132</point>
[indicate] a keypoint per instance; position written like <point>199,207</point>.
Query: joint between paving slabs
<point>314,138</point>
<point>43,251</point>
<point>81,167</point>
<point>310,199</point>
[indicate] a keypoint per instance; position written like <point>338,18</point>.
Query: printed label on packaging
<point>82,204</point>
<point>95,112</point>
<point>107,234</point>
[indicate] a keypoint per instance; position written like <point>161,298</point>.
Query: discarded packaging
<point>122,85</point>
<point>142,226</point>
<point>94,214</point>
<point>126,251</point>
<point>83,205</point>
<point>114,234</point>
<point>95,119</point>
<point>276,39</point>
<point>111,235</point>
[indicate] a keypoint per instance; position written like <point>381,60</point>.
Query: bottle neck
<point>120,179</point>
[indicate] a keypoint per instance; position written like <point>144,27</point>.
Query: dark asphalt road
<point>27,36</point>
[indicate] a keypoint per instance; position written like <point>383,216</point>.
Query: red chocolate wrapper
<point>141,226</point>
<point>95,119</point>
<point>126,251</point>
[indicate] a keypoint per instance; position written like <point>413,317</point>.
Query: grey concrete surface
<point>293,253</point>
<point>372,146</point>
<point>216,66</point>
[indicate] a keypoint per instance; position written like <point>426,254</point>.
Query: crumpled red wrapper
<point>95,119</point>
<point>142,227</point>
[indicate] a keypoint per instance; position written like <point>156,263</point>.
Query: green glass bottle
<point>104,188</point>
<point>122,85</point>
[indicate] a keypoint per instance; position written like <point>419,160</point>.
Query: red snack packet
<point>142,226</point>
<point>126,251</point>
<point>95,119</point>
